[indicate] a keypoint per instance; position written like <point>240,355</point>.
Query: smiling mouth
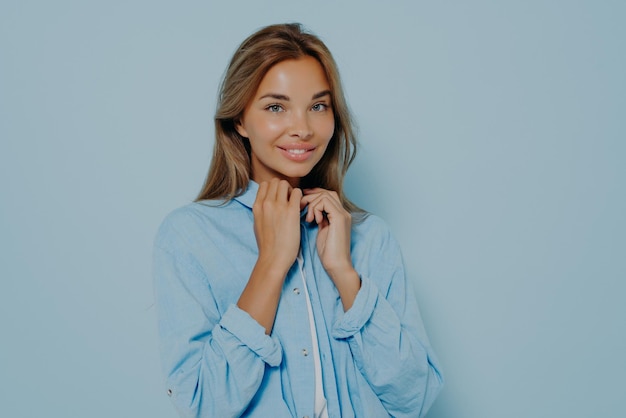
<point>297,154</point>
<point>296,151</point>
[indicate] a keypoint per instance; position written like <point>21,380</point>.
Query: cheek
<point>269,130</point>
<point>263,129</point>
<point>328,129</point>
<point>274,126</point>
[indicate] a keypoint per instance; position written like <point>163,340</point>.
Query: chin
<point>297,172</point>
<point>301,174</point>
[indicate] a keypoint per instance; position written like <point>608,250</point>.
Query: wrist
<point>345,278</point>
<point>271,268</point>
<point>340,271</point>
<point>348,284</point>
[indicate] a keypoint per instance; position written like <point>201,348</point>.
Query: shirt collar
<point>248,197</point>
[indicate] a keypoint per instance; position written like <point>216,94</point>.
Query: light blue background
<point>493,142</point>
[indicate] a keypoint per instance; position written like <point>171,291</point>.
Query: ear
<point>240,129</point>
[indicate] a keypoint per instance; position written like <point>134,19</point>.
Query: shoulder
<point>372,235</point>
<point>372,227</point>
<point>188,216</point>
<point>197,220</point>
<point>376,253</point>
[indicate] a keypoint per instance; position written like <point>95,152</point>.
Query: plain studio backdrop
<point>493,143</point>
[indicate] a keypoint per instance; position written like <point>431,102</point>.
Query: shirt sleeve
<point>214,363</point>
<point>387,338</point>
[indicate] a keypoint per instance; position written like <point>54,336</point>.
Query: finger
<point>309,201</point>
<point>319,191</point>
<point>273,189</point>
<point>325,206</point>
<point>317,208</point>
<point>319,216</point>
<point>303,202</point>
<point>260,195</point>
<point>330,204</point>
<point>306,200</point>
<point>314,190</point>
<point>282,191</point>
<point>295,199</point>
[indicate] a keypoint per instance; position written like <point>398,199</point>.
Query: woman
<point>277,296</point>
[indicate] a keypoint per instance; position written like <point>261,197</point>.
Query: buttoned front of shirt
<point>218,360</point>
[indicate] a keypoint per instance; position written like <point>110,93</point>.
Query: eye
<point>319,107</point>
<point>275,108</point>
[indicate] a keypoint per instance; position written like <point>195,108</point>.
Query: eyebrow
<point>321,94</point>
<point>286,98</point>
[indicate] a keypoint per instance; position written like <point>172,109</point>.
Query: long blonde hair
<point>230,168</point>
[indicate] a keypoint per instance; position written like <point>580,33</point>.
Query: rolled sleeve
<point>350,322</point>
<point>237,327</point>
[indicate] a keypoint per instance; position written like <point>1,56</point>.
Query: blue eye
<point>275,108</point>
<point>320,107</point>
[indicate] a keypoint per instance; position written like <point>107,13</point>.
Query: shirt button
<point>305,352</point>
<point>296,290</point>
<point>169,392</point>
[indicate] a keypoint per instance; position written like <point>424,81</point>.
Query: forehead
<point>300,75</point>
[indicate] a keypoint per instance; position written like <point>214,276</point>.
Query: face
<point>289,121</point>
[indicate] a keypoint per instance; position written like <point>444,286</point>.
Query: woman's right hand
<point>276,213</point>
<point>277,223</point>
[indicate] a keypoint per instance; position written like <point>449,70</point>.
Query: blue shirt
<point>376,359</point>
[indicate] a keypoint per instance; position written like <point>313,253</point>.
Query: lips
<point>297,152</point>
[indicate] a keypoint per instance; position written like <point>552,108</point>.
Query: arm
<point>381,322</point>
<point>386,335</point>
<point>277,230</point>
<point>214,363</point>
<point>214,360</point>
<point>333,241</point>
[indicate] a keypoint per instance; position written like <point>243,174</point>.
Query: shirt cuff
<point>251,334</point>
<point>350,322</point>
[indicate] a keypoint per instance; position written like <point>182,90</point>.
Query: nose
<point>300,126</point>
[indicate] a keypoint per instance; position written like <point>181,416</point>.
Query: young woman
<point>278,297</point>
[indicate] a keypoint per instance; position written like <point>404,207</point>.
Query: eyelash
<point>275,108</point>
<point>323,105</point>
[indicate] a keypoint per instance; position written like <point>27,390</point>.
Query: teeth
<point>296,151</point>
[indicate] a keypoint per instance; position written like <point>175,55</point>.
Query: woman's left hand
<point>333,240</point>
